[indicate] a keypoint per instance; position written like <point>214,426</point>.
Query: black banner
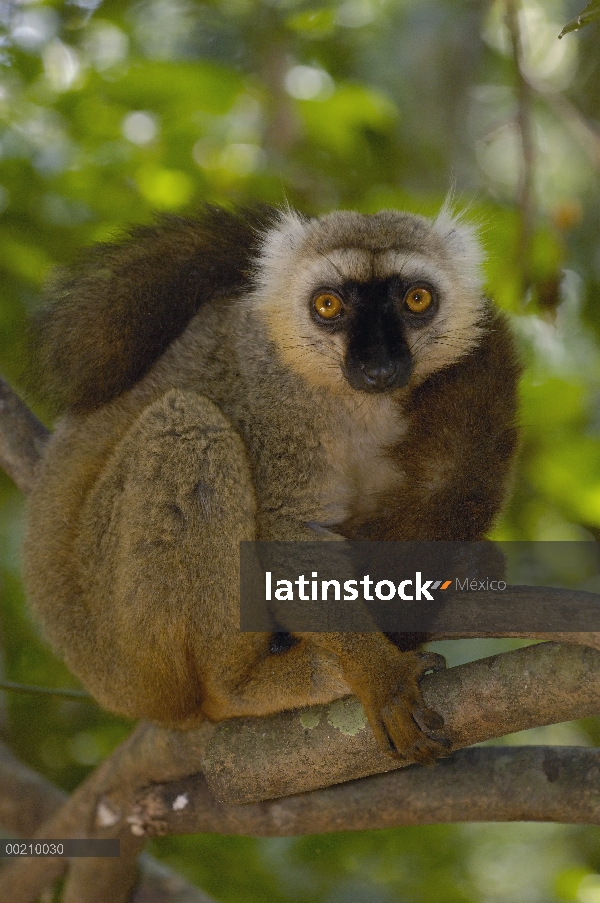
<point>420,586</point>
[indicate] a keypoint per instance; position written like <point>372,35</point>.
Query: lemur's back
<point>117,309</point>
<point>110,319</point>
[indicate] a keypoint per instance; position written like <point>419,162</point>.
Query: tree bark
<point>522,783</point>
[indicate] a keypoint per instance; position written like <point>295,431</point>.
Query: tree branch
<point>292,752</point>
<point>527,783</point>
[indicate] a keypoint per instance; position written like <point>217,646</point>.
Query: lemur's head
<point>375,302</point>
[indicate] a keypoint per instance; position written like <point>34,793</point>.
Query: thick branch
<point>292,752</point>
<point>22,439</point>
<point>526,783</point>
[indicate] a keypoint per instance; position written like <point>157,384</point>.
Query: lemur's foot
<point>405,727</point>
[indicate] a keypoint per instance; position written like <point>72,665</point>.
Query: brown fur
<point>141,304</point>
<point>458,451</point>
<point>131,554</point>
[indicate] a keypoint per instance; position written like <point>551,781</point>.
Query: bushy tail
<point>110,315</point>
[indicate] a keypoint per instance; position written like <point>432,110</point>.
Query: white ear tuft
<point>279,247</point>
<point>460,238</point>
<point>286,234</point>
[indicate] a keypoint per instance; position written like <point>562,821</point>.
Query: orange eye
<point>418,299</point>
<point>328,305</point>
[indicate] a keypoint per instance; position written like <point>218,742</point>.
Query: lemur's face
<point>379,322</point>
<point>371,303</point>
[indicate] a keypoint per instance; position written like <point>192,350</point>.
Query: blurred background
<point>110,111</point>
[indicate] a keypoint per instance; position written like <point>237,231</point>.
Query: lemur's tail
<point>111,314</point>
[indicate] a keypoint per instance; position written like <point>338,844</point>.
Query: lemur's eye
<point>328,306</point>
<point>418,299</point>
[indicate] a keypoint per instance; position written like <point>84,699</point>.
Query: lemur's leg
<point>168,514</point>
<point>157,552</point>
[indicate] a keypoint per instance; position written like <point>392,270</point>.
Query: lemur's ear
<point>462,241</point>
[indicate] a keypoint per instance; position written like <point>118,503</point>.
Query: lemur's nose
<point>380,375</point>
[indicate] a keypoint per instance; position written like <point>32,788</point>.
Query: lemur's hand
<point>405,727</point>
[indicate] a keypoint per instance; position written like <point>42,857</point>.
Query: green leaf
<point>590,14</point>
